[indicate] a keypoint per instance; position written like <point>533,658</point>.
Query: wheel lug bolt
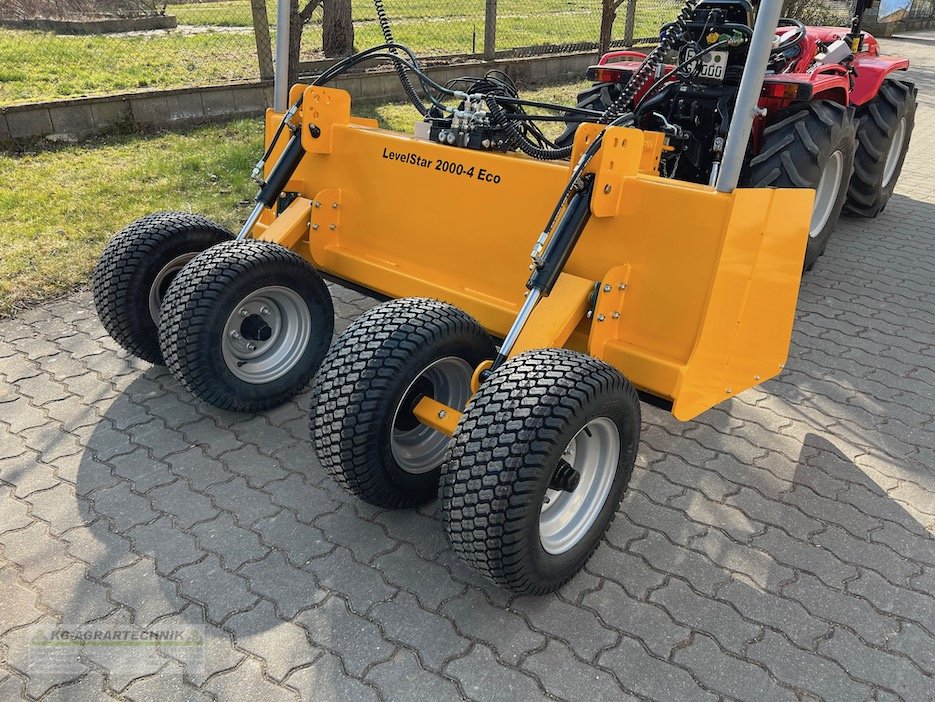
<point>264,311</point>
<point>251,347</point>
<point>244,312</point>
<point>235,334</point>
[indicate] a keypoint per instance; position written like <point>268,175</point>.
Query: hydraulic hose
<point>624,103</point>
<point>499,117</point>
<point>400,70</point>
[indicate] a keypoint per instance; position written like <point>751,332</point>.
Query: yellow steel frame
<point>689,292</point>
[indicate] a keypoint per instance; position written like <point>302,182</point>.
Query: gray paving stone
<point>326,679</point>
<point>143,472</point>
<point>243,502</point>
<point>345,527</point>
<point>222,593</point>
<point>26,474</point>
<point>483,678</point>
<point>647,622</point>
<point>703,614</point>
<point>122,507</point>
<point>891,672</point>
<point>50,442</point>
<point>167,684</point>
<point>402,678</point>
<point>246,682</point>
<point>781,613</point>
<point>625,569</point>
<point>362,585</point>
<point>185,504</point>
<point>88,687</point>
<point>581,629</point>
<point>200,470</point>
<point>757,565</point>
<point>233,544</point>
<point>728,675</point>
<point>146,593</point>
<point>72,595</point>
<point>289,588</point>
<point>502,630</point>
<point>256,469</point>
<point>307,501</point>
<point>651,678</point>
<point>217,654</point>
<point>13,512</point>
<point>425,534</point>
<point>34,551</point>
<point>805,556</point>
<point>566,677</point>
<point>298,542</point>
<point>282,645</point>
<point>429,582</point>
<point>703,575</point>
<point>356,640</point>
<point>915,643</point>
<point>166,545</point>
<point>886,597</point>
<point>672,522</point>
<point>868,555</point>
<point>431,635</point>
<point>19,603</point>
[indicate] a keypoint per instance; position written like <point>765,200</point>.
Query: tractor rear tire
<point>598,98</point>
<point>135,270</point>
<point>245,325</point>
<point>506,505</point>
<point>884,128</point>
<point>809,147</point>
<point>362,425</point>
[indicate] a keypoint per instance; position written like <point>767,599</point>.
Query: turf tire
<point>145,254</point>
<point>878,124</point>
<point>794,152</point>
<point>364,379</point>
<point>202,299</point>
<point>505,451</point>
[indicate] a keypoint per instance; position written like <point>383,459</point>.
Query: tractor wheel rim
<point>420,449</point>
<point>896,150</point>
<point>826,194</point>
<point>266,334</point>
<point>163,279</point>
<point>566,517</point>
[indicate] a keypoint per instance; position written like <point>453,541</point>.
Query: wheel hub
<point>588,466</point>
<point>163,280</point>
<point>266,334</point>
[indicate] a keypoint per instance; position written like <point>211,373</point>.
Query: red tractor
<point>833,113</point>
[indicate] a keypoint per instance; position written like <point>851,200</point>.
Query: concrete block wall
<point>81,118</point>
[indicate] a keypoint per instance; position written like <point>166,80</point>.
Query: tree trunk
<point>608,15</point>
<point>338,28</point>
<point>264,51</point>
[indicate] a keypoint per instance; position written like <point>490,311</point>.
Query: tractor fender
<point>831,83</point>
<point>869,74</point>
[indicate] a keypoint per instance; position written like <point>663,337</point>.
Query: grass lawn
<point>62,205</point>
<point>215,43</point>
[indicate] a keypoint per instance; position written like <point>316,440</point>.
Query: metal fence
<point>52,49</point>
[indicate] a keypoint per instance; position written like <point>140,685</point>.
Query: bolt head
<point>600,318</point>
<point>235,334</point>
<point>332,227</point>
<point>607,189</point>
<point>616,315</point>
<point>441,414</point>
<point>729,391</point>
<point>316,203</point>
<point>244,312</point>
<point>334,205</point>
<point>264,311</point>
<point>590,314</point>
<point>315,227</point>
<point>251,347</point>
<point>622,286</point>
<point>756,377</point>
<point>606,288</point>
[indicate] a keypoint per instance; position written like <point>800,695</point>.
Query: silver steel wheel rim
<point>256,360</point>
<point>420,449</point>
<point>566,517</point>
<point>826,194</point>
<point>163,279</point>
<point>896,148</point>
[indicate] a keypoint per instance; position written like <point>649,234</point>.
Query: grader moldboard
<point>510,379</point>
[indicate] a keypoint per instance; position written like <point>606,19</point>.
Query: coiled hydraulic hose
<point>499,117</point>
<point>624,103</point>
<point>400,70</point>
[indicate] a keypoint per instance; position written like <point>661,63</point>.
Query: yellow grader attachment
<point>689,292</point>
<point>501,378</point>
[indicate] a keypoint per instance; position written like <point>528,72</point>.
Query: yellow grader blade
<point>689,292</point>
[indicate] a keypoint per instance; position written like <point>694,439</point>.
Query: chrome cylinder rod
<point>510,341</point>
<point>748,96</point>
<point>251,221</point>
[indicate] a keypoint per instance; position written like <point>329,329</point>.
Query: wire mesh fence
<point>51,49</point>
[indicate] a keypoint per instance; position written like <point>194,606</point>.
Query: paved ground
<point>779,547</point>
